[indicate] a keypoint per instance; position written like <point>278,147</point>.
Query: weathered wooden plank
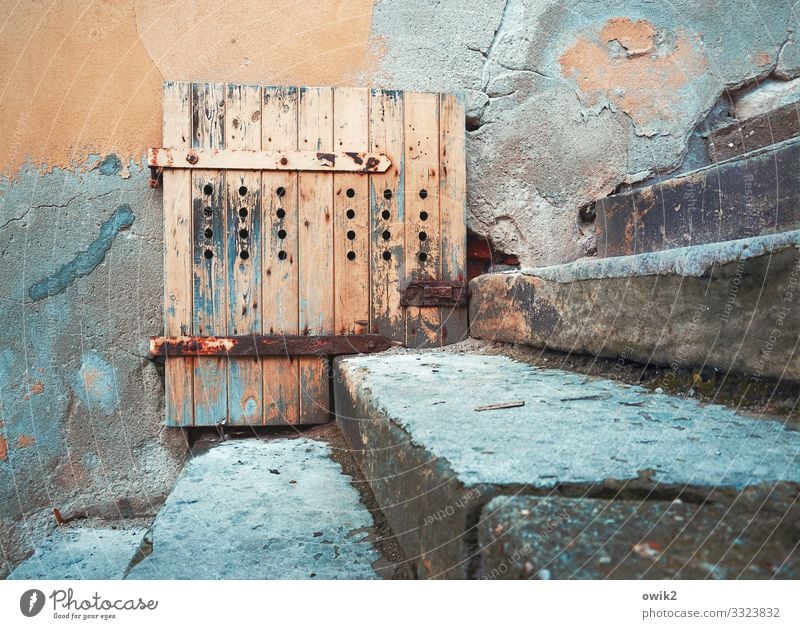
<point>352,161</point>
<point>281,258</point>
<point>243,111</point>
<point>209,273</point>
<point>268,345</point>
<point>351,215</point>
<point>316,288</point>
<point>177,201</point>
<point>735,199</point>
<point>422,220</point>
<point>748,135</point>
<point>452,204</point>
<point>387,216</point>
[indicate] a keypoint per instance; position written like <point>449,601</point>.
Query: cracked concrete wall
<point>570,100</point>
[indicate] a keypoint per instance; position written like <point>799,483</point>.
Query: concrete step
<point>739,198</point>
<point>241,509</point>
<point>733,306</point>
<point>253,509</point>
<point>593,447</point>
<point>84,552</point>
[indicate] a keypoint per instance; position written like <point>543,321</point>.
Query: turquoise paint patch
<point>95,383</point>
<point>111,165</point>
<point>86,261</point>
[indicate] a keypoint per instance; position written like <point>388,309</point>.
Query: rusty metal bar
<point>268,345</point>
<point>435,293</point>
<point>219,159</point>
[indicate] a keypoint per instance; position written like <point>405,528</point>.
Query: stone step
<point>739,198</point>
<point>435,463</point>
<point>83,552</point>
<point>262,509</point>
<point>733,306</point>
<point>241,509</point>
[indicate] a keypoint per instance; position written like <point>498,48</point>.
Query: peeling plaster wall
<point>570,99</point>
<point>566,101</point>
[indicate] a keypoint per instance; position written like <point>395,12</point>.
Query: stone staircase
<point>463,462</point>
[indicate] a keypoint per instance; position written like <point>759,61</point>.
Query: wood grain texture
<point>452,204</point>
<point>316,281</point>
<point>178,372</point>
<point>355,161</point>
<point>422,221</point>
<point>351,215</point>
<point>281,256</point>
<point>209,272</point>
<point>387,216</point>
<point>243,131</point>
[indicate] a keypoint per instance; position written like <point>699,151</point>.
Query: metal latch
<point>435,293</point>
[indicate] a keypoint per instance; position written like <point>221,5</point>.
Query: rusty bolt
<point>284,161</point>
<point>192,158</point>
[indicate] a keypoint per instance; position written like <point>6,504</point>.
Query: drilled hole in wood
<point>280,213</point>
<point>242,190</point>
<point>351,213</point>
<point>351,235</point>
<point>423,194</point>
<point>208,254</point>
<point>387,194</point>
<point>386,235</point>
<point>423,216</point>
<point>243,212</point>
<point>243,233</point>
<point>282,255</point>
<point>422,256</point>
<point>351,255</point>
<point>387,255</point>
<point>423,236</point>
<point>280,191</point>
<point>208,189</point>
<point>209,232</point>
<point>281,234</point>
<point>351,193</point>
<point>208,211</point>
<point>244,254</point>
<point>385,215</point>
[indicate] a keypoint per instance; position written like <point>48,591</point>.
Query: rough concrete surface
<point>567,101</point>
<point>526,537</point>
<point>81,406</point>
<point>433,461</point>
<point>83,553</point>
<point>765,97</point>
<point>250,509</point>
<point>731,306</point>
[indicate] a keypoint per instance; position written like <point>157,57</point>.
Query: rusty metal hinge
<point>435,293</point>
<point>268,345</point>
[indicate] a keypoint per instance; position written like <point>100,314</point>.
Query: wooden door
<point>294,212</point>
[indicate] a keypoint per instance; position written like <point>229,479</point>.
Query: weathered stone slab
<point>734,306</point>
<point>83,553</point>
<point>251,509</point>
<point>762,130</point>
<point>523,537</point>
<point>433,461</point>
<point>734,199</point>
